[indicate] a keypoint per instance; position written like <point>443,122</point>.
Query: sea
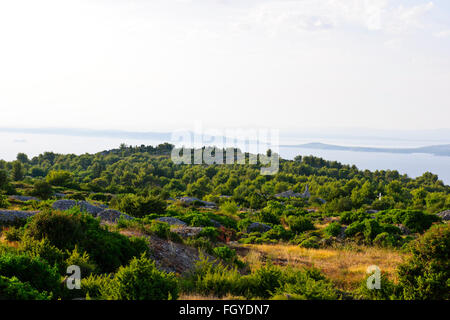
<point>413,165</point>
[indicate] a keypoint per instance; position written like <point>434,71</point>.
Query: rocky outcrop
<point>292,194</point>
<point>445,215</point>
<point>258,227</point>
<point>23,198</point>
<point>64,205</point>
<point>171,256</point>
<point>13,215</point>
<point>186,231</point>
<point>189,200</point>
<point>111,215</point>
<point>171,220</point>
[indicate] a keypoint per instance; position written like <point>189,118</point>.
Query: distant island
<point>438,150</point>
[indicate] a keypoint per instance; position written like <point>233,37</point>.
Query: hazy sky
<point>160,65</point>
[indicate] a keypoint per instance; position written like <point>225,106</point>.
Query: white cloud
<point>313,15</point>
<point>442,34</point>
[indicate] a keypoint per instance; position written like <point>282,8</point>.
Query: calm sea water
<point>412,164</point>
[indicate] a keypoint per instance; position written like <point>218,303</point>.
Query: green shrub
<point>425,276</point>
<point>371,229</point>
<point>43,249</point>
<point>101,197</point>
<point>225,253</point>
<point>161,229</point>
<point>82,260</point>
<point>92,286</point>
<point>350,217</point>
<point>214,279</point>
<point>59,178</point>
<point>265,280</point>
<point>243,224</point>
<point>138,206</point>
<point>201,243</point>
<point>277,233</point>
<point>333,229</point>
<point>414,220</point>
<point>81,196</point>
<point>141,280</point>
<point>388,290</point>
<point>387,240</point>
<point>229,207</point>
<point>13,233</point>
<point>13,289</point>
<point>312,242</point>
<point>200,221</point>
<point>4,203</point>
<point>42,189</point>
<point>209,232</point>
<point>299,224</point>
<point>307,284</point>
<point>37,272</point>
<point>108,250</point>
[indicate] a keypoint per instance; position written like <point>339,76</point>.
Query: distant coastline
<point>437,150</point>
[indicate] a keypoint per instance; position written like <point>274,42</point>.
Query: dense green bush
<point>209,232</point>
<point>81,259</point>
<point>307,284</point>
<point>13,289</point>
<point>59,178</point>
<point>138,206</point>
<point>350,217</point>
<point>42,189</point>
<point>141,280</point>
<point>387,240</point>
<point>202,243</point>
<point>426,275</point>
<point>269,281</point>
<point>4,203</point>
<point>213,279</point>
<point>333,229</point>
<point>299,224</point>
<point>160,228</point>
<point>108,250</point>
<point>43,249</point>
<point>37,272</point>
<point>225,253</point>
<point>371,228</point>
<point>414,220</point>
<point>13,233</point>
<point>311,242</point>
<point>265,280</point>
<point>388,290</point>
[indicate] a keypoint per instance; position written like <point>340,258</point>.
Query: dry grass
<point>345,266</point>
<point>194,296</point>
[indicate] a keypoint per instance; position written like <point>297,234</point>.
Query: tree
<point>59,178</point>
<point>425,276</point>
<point>22,157</point>
<point>141,280</point>
<point>42,189</point>
<point>4,180</point>
<point>17,171</point>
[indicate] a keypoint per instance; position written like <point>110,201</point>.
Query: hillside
<point>217,232</point>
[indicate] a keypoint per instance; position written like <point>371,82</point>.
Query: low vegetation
<point>250,239</point>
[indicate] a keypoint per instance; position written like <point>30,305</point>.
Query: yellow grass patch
<point>346,267</point>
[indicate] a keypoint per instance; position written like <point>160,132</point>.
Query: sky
<point>167,65</point>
